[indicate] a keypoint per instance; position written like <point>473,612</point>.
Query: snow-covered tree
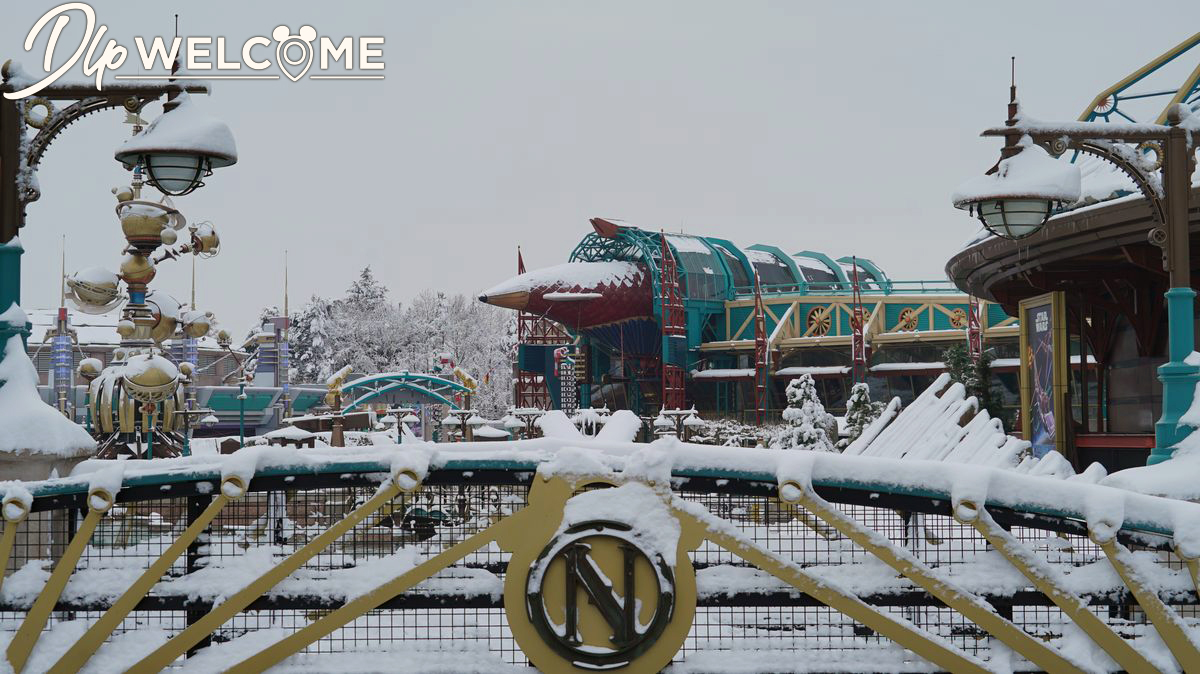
<point>976,377</point>
<point>366,293</point>
<point>367,332</point>
<point>264,315</point>
<point>311,335</point>
<point>808,424</point>
<point>860,412</point>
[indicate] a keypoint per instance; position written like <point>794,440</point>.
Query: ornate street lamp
<point>1017,195</point>
<point>1019,191</point>
<point>452,422</point>
<point>180,148</point>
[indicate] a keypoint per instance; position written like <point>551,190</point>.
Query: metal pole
<point>196,559</point>
<point>1178,378</point>
<point>11,217</point>
<point>242,413</point>
<point>187,433</point>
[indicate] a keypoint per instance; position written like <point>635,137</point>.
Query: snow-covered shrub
<point>860,412</point>
<point>809,426</point>
<point>730,433</point>
<point>977,378</point>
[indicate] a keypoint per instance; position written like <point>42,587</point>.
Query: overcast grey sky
<point>833,126</point>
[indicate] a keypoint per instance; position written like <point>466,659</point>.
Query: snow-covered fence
<point>337,559</point>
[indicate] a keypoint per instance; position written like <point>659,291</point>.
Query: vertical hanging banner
<point>974,330</point>
<point>1044,372</point>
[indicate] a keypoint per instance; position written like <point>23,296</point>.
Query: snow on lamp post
<point>453,421</point>
<point>663,425</point>
<point>1010,200</point>
<point>28,126</point>
<point>1017,195</point>
<point>411,420</point>
<point>513,424</point>
<point>691,425</point>
<point>180,148</point>
<point>474,421</point>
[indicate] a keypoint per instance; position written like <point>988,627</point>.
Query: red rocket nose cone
<point>578,294</point>
<point>511,300</point>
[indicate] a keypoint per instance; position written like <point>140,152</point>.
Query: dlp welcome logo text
<point>293,54</point>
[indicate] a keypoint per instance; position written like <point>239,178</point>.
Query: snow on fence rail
<point>295,495</point>
<point>1046,494</point>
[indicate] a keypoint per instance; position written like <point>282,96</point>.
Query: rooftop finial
<point>1013,108</point>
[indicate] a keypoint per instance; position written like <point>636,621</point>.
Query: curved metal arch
<point>885,283</point>
<point>843,278</point>
<point>1150,187</point>
<point>719,244</point>
<point>1178,95</point>
<point>631,244</point>
<point>403,376</point>
<point>800,281</point>
<point>398,385</point>
<point>63,118</point>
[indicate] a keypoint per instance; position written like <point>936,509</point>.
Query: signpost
<point>567,381</point>
<point>1044,413</point>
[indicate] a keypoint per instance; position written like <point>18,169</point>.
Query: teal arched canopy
<point>436,389</point>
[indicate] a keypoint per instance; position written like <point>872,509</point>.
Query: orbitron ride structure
<point>669,320</point>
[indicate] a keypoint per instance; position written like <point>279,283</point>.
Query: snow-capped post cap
<point>180,148</point>
<point>1015,198</point>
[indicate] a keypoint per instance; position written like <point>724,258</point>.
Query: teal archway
<point>437,389</point>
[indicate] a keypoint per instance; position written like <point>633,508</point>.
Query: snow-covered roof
<point>813,370</point>
<point>571,274</point>
<point>1016,362</point>
<point>688,244</point>
<point>724,373</point>
<point>290,433</point>
<point>489,432</point>
<point>908,367</point>
<point>756,255</point>
<point>571,297</point>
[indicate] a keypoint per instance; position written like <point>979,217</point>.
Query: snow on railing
<point>976,455</point>
<point>943,423</point>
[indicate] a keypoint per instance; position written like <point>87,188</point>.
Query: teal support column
<point>10,291</point>
<point>1177,377</point>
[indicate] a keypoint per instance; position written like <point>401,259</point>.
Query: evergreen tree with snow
<point>808,423</point>
<point>311,334</point>
<point>976,377</point>
<point>860,413</point>
<point>366,293</point>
